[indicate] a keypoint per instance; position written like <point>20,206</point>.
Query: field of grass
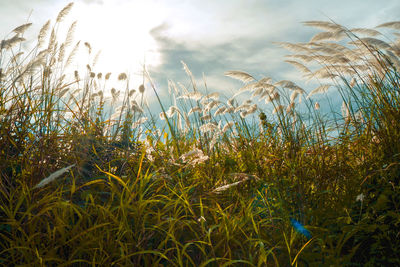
<point>90,177</point>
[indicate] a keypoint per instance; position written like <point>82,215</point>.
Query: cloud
<point>257,56</point>
<point>98,2</point>
<point>240,36</point>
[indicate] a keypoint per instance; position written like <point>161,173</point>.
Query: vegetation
<point>218,183</point>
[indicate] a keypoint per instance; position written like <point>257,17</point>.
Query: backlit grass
<point>90,176</point>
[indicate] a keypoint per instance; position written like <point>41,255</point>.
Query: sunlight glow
<point>120,29</point>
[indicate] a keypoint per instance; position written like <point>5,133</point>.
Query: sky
<point>210,36</point>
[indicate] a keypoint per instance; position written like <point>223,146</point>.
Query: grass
<point>89,177</point>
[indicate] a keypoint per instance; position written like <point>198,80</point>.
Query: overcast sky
<point>211,36</point>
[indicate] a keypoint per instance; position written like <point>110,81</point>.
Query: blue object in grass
<point>300,228</point>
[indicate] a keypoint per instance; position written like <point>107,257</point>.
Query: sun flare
<point>120,29</point>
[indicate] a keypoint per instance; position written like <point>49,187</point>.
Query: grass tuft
<point>283,178</point>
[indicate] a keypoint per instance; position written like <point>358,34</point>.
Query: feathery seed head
<point>89,47</point>
<point>353,82</point>
<point>131,92</point>
<point>70,34</point>
<point>141,88</point>
<point>277,109</point>
<point>194,109</point>
<point>239,75</point>
<point>320,89</point>
<point>231,101</point>
<point>193,95</point>
<point>172,111</point>
<point>219,111</point>
<point>360,197</point>
<point>324,25</point>
<point>290,107</point>
<point>393,24</point>
<point>76,74</point>
<point>212,104</point>
<point>345,111</point>
<point>53,176</point>
<point>244,106</point>
<point>64,12</point>
<point>7,44</point>
<point>213,96</point>
<point>194,157</point>
<point>227,126</point>
<point>293,96</point>
<point>139,122</point>
<point>229,110</point>
<point>43,32</point>
<point>243,114</point>
<point>122,76</point>
<point>206,117</point>
<point>209,127</point>
<point>21,29</point>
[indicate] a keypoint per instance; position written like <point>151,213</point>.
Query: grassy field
<point>90,177</point>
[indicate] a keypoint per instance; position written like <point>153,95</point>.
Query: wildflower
<point>300,228</point>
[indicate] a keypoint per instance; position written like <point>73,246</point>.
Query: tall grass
<point>88,176</point>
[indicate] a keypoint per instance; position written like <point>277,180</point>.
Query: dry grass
<point>208,183</point>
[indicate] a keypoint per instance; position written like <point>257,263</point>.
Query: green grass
<point>188,191</point>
